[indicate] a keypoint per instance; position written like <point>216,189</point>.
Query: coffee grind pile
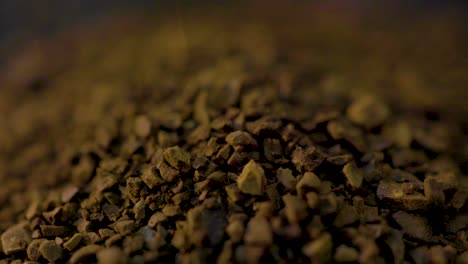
<point>235,155</point>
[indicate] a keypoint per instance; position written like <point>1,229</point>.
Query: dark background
<point>23,21</point>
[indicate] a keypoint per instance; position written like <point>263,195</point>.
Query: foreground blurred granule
<point>195,144</point>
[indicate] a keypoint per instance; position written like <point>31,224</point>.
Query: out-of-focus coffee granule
<point>209,146</point>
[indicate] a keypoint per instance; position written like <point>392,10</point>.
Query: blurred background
<point>22,21</point>
<point>58,57</point>
<point>384,37</point>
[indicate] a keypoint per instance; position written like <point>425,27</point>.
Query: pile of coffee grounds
<point>234,152</point>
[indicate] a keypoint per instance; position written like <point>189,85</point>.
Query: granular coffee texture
<point>233,152</point>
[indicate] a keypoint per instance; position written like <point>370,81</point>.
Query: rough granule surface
<point>228,150</point>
